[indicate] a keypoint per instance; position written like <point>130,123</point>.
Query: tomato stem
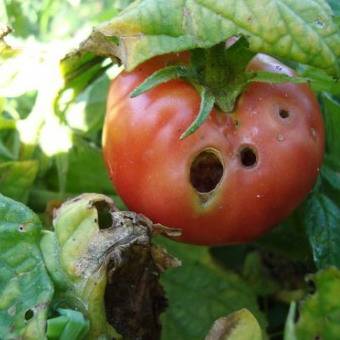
<point>219,74</point>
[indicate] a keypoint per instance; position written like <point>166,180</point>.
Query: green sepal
<point>207,103</point>
<point>159,77</point>
<point>274,78</point>
<point>221,73</point>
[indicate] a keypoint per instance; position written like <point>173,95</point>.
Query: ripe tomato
<point>237,176</point>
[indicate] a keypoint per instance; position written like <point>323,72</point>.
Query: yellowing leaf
<point>240,325</point>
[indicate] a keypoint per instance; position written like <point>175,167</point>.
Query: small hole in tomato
<point>284,113</point>
<point>206,171</point>
<point>104,214</point>
<point>248,156</point>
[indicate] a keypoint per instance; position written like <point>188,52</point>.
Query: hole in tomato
<point>284,113</point>
<point>104,214</point>
<point>248,156</point>
<point>206,171</point>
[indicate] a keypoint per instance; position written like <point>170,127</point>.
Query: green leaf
<point>288,239</point>
<point>335,6</point>
<point>200,292</point>
<point>207,104</point>
<point>330,175</point>
<point>16,178</point>
<point>87,159</point>
<point>159,77</point>
<point>49,245</point>
<point>25,288</point>
<point>122,4</point>
<point>319,80</point>
<point>70,324</point>
<point>76,258</point>
<point>78,72</point>
<point>62,165</point>
<point>6,124</point>
<point>240,325</point>
<point>302,31</point>
<point>81,169</point>
<point>330,178</point>
<point>330,170</point>
<point>331,109</point>
<point>78,65</point>
<point>257,276</point>
<point>86,114</point>
<point>320,312</point>
<point>22,16</point>
<point>322,221</point>
<point>5,154</point>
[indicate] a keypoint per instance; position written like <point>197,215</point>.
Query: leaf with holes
<point>75,255</point>
<point>25,287</point>
<point>96,252</point>
<point>302,31</point>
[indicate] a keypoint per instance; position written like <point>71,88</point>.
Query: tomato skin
<point>150,167</point>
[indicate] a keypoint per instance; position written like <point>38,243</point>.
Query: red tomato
<point>236,177</point>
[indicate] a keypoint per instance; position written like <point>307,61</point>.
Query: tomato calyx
<point>219,74</point>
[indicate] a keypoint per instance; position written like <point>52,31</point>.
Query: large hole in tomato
<point>206,171</point>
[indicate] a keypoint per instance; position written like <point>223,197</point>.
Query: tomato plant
<point>197,136</point>
<point>237,176</point>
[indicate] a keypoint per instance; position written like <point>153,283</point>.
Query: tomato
<point>236,177</point>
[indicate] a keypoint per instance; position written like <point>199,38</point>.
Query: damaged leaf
<point>240,325</point>
<point>25,288</point>
<point>319,315</point>
<point>103,264</point>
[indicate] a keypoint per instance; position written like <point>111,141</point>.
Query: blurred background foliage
<point>50,149</point>
<point>41,154</point>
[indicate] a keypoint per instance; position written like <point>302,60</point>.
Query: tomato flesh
<point>237,176</point>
